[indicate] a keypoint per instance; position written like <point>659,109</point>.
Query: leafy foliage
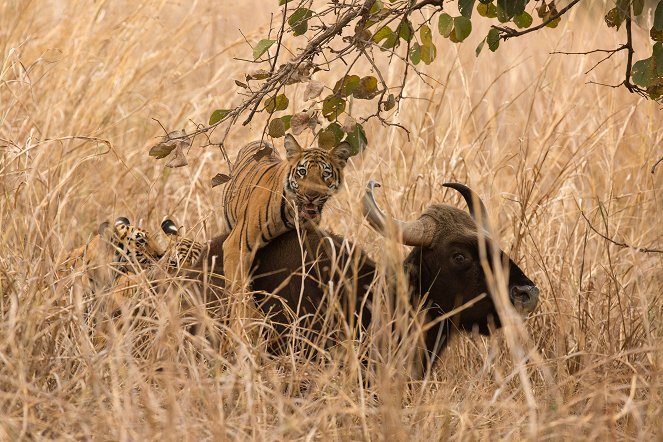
<point>356,33</point>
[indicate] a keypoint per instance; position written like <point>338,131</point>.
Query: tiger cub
<point>267,195</point>
<point>113,251</point>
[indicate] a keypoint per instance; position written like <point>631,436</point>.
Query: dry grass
<point>520,127</point>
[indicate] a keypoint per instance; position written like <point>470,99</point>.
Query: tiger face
<point>132,245</point>
<point>314,175</point>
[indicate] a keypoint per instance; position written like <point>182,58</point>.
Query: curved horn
<point>415,233</point>
<point>472,199</point>
<point>169,227</point>
<point>122,220</point>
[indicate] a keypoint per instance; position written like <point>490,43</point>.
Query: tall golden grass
<point>560,164</point>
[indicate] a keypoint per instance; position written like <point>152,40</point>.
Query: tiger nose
<point>311,194</point>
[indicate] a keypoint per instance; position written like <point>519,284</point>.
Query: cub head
<point>314,175</point>
<point>131,243</point>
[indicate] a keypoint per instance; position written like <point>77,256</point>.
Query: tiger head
<point>314,175</point>
<point>132,245</point>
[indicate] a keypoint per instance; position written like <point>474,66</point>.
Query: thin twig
<point>617,243</point>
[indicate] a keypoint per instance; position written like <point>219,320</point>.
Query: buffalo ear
<point>342,152</point>
<point>292,147</point>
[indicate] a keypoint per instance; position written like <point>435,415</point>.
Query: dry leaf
<point>258,74</point>
<point>349,124</point>
<point>173,141</point>
<point>177,158</point>
<point>264,152</point>
<point>219,179</point>
<point>313,89</point>
<point>302,120</point>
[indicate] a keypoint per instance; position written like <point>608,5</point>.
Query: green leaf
<point>480,47</point>
<point>357,139</point>
<point>405,30</point>
<point>462,28</point>
<point>554,23</point>
<point>426,35</point>
<point>614,18</point>
<point>382,33</point>
<point>286,121</point>
<point>377,7</point>
<point>217,116</point>
<point>445,24</point>
<point>276,128</point>
<point>493,39</point>
<point>415,53</point>
<point>465,7</point>
<point>326,139</point>
<point>644,72</point>
<point>332,107</point>
<point>298,21</point>
<point>330,136</point>
<point>428,53</point>
<point>523,20</point>
<point>262,47</point>
<point>273,104</point>
<point>656,35</point>
<point>638,7</point>
<point>162,150</point>
<point>658,57</point>
<point>347,85</point>
<point>487,10</point>
<point>391,42</point>
<point>501,15</point>
<point>512,8</point>
<point>658,17</point>
<point>367,89</point>
<point>336,129</point>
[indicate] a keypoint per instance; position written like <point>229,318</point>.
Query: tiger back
<point>267,196</point>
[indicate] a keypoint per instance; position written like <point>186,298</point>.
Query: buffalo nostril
<point>524,293</point>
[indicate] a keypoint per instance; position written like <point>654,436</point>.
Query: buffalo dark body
<point>444,266</point>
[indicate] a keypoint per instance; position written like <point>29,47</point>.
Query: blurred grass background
<point>81,85</point>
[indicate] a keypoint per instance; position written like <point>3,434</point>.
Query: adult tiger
<point>266,196</point>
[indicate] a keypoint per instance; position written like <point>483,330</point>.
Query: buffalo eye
<point>460,260</point>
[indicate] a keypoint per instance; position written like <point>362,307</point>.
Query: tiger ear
<point>102,227</point>
<point>169,227</point>
<point>122,220</point>
<point>292,147</point>
<point>342,152</point>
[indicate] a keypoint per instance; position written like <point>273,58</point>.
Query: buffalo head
<point>452,250</point>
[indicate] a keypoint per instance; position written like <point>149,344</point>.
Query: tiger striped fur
<point>266,196</point>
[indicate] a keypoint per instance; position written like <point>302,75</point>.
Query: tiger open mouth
<point>309,211</point>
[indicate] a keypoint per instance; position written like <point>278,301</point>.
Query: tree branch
<point>507,33</point>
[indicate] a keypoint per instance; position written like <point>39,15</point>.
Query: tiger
<point>112,252</point>
<point>266,196</point>
<point>181,252</point>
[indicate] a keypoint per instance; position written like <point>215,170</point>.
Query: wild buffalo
<point>444,265</point>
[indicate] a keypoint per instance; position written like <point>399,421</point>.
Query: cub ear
<point>102,227</point>
<point>292,147</point>
<point>342,152</point>
<point>169,227</point>
<point>122,220</point>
